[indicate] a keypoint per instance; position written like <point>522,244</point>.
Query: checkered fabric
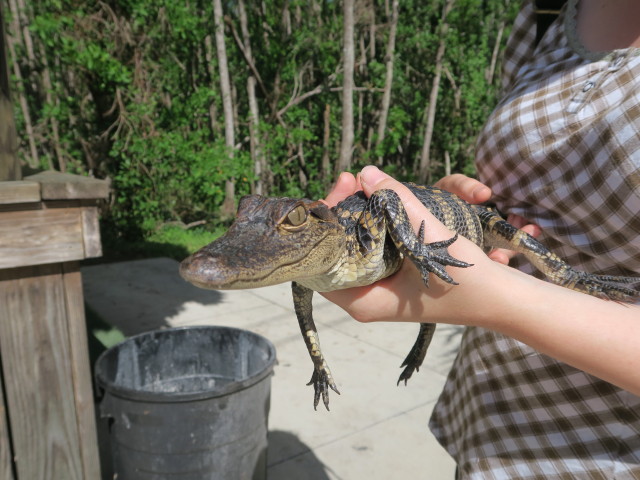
<point>562,149</point>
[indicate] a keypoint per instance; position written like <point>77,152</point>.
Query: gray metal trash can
<point>188,404</point>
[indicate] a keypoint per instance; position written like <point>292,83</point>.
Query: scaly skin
<point>358,242</point>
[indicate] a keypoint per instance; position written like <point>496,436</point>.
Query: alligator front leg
<point>321,378</point>
<point>386,206</point>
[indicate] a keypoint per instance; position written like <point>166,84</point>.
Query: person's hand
<point>473,191</point>
<point>467,188</point>
<point>564,324</point>
<point>403,296</point>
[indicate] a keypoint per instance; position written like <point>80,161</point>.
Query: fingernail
<point>372,175</point>
<point>480,193</point>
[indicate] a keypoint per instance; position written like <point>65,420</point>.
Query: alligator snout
<point>202,271</point>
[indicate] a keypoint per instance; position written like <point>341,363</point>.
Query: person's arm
<point>598,336</point>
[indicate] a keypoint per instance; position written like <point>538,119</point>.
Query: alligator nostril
<point>185,268</point>
<point>192,266</point>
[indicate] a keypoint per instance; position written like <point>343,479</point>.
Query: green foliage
<point>100,334</point>
<point>131,88</point>
<point>190,240</point>
<point>173,176</point>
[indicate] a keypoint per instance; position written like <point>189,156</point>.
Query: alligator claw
<point>407,372</point>
<point>433,257</point>
<point>322,381</point>
<point>604,286</point>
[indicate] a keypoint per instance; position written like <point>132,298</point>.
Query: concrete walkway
<point>375,430</point>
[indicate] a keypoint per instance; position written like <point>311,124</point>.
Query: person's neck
<point>605,25</point>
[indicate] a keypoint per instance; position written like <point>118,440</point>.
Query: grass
<point>169,241</point>
<point>189,240</point>
<point>101,335</point>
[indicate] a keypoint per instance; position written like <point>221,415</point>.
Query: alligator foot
<point>428,258</point>
<point>604,286</point>
<point>416,356</point>
<point>433,257</point>
<point>322,381</point>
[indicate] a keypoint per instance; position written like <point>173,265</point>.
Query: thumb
<point>371,177</point>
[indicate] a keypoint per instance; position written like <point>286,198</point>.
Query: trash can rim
<point>133,394</point>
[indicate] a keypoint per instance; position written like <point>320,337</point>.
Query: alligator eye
<point>297,216</point>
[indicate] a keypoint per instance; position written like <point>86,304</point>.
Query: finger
<point>467,188</point>
<point>524,225</point>
<point>501,255</point>
<point>345,186</point>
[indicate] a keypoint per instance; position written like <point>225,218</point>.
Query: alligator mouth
<point>205,271</point>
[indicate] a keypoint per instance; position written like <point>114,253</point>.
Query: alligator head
<point>272,240</point>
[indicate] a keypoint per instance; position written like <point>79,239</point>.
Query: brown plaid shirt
<point>563,150</point>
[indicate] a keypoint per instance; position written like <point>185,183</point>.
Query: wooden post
<point>6,465</point>
<point>48,222</point>
<point>9,164</point>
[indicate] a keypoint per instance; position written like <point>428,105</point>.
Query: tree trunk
<point>286,19</point>
<point>55,130</point>
<point>228,206</point>
<point>425,157</point>
<point>372,33</point>
<point>494,55</point>
<point>388,82</point>
<point>18,10</point>
<point>259,163</point>
<point>9,163</point>
<point>302,170</point>
<point>346,146</point>
<point>447,163</point>
<point>326,137</point>
<point>213,110</point>
<point>33,160</point>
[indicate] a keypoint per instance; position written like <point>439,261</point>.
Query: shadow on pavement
<point>141,295</point>
<point>303,464</point>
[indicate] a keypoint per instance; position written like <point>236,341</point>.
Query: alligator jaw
<point>212,273</point>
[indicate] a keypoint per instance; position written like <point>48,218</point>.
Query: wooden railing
<point>48,223</point>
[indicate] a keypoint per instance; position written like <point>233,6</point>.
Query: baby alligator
<point>360,241</point>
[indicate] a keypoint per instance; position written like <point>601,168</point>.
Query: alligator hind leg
<point>321,379</point>
<point>418,351</point>
<point>501,234</point>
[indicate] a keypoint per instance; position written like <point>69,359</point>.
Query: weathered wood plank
<point>59,186</point>
<point>91,232</point>
<point>6,470</point>
<point>19,192</point>
<point>35,237</point>
<point>36,360</point>
<point>81,371</point>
